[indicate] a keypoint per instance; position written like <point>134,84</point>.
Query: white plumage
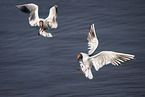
<point>92,40</point>
<point>100,59</point>
<point>34,20</point>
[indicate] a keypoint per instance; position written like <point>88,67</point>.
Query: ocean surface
<point>35,66</point>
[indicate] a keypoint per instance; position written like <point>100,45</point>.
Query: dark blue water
<point>34,66</point>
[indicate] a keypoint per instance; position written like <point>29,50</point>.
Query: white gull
<point>34,20</point>
<point>99,60</point>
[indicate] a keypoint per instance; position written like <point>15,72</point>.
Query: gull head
<point>41,24</point>
<point>79,57</point>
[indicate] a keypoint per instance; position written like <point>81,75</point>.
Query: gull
<point>34,20</point>
<point>99,60</point>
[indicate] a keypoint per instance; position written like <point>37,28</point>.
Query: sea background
<point>35,66</point>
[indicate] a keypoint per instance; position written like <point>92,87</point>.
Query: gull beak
<point>40,30</point>
<point>40,27</point>
<point>79,57</point>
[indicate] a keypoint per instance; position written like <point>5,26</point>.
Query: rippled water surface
<point>35,66</point>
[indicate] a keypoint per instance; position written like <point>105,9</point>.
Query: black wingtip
<point>93,23</point>
<point>23,9</point>
<point>56,8</point>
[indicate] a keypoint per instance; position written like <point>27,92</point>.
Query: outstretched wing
<point>106,57</point>
<point>32,10</point>
<point>92,40</point>
<point>51,19</point>
<point>87,70</point>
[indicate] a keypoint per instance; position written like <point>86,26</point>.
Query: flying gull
<point>99,60</point>
<point>34,20</point>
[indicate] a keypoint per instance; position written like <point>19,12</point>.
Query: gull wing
<point>106,57</point>
<point>51,19</point>
<point>86,69</point>
<point>32,10</point>
<point>92,40</point>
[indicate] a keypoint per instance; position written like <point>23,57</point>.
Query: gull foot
<point>78,69</point>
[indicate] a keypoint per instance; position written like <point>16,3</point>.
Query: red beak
<point>40,27</point>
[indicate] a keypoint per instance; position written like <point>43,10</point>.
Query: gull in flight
<point>99,60</point>
<point>34,20</point>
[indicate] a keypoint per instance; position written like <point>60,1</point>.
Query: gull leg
<point>78,69</point>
